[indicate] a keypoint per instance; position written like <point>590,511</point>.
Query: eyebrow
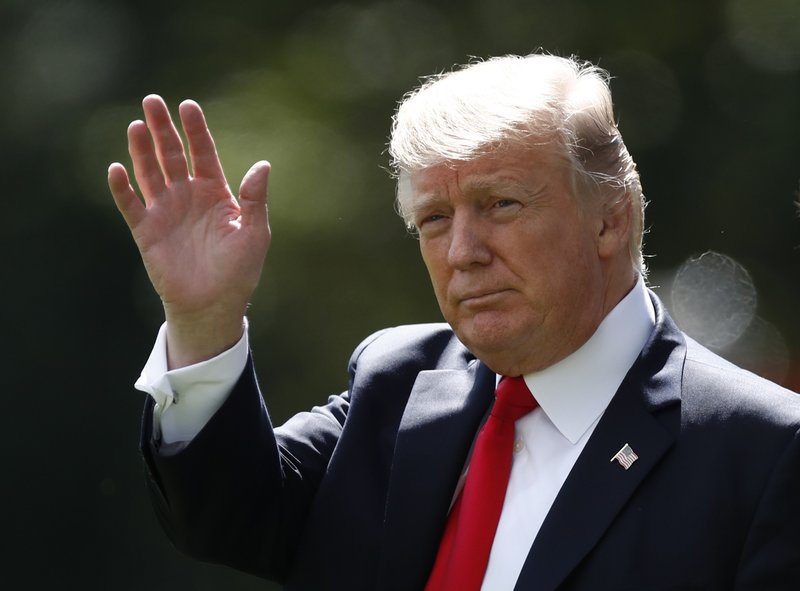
<point>420,202</point>
<point>502,183</point>
<point>482,183</point>
<point>424,200</point>
<point>490,182</point>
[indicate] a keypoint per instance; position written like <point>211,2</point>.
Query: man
<point>636,460</point>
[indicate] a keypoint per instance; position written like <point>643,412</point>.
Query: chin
<point>505,344</point>
<point>490,343</point>
<point>492,329</point>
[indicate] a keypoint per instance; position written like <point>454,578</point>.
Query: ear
<point>614,232</point>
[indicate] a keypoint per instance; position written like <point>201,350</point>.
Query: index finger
<point>205,160</point>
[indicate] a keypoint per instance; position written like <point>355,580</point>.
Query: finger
<point>128,203</point>
<point>205,160</point>
<point>169,147</point>
<point>253,194</point>
<point>145,164</point>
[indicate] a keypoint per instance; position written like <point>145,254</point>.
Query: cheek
<point>553,277</point>
<point>576,285</point>
<point>437,270</point>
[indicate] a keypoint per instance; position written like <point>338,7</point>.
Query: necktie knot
<point>513,399</point>
<point>468,537</point>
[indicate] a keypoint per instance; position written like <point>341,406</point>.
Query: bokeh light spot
<point>766,32</point>
<point>713,299</point>
<point>345,52</point>
<point>56,63</point>
<point>647,98</point>
<point>761,349</point>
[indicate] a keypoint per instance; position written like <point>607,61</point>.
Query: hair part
<point>521,101</point>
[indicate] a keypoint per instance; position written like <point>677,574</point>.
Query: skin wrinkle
<point>495,186</point>
<point>536,100</point>
<point>519,313</point>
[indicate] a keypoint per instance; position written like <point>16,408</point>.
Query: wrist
<point>200,336</point>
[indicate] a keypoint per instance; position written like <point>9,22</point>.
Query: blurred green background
<point>708,98</point>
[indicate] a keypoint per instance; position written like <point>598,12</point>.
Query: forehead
<point>518,168</point>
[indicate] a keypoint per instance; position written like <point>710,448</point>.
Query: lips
<point>481,297</point>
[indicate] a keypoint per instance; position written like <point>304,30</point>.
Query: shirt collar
<point>574,392</point>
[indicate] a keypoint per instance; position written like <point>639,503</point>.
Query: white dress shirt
<point>188,397</point>
<point>572,396</point>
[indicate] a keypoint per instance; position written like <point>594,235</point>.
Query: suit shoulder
<point>425,346</point>
<point>713,382</point>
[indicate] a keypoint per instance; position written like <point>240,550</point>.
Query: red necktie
<point>468,536</point>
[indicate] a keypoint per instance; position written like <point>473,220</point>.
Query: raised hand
<point>203,249</point>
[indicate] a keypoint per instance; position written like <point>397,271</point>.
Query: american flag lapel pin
<point>626,456</point>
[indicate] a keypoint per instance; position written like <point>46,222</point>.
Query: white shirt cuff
<point>186,398</point>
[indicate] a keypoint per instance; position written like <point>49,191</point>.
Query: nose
<point>468,243</point>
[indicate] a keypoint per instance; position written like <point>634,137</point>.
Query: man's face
<point>515,259</point>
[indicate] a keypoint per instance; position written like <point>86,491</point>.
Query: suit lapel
<point>441,418</point>
<point>597,488</point>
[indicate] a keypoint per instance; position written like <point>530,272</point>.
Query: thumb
<point>253,194</point>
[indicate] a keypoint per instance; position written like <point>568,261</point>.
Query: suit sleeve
<point>771,556</point>
<point>239,492</point>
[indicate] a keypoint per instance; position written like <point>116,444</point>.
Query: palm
<point>194,247</point>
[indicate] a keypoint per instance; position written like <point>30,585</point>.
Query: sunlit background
<point>708,99</point>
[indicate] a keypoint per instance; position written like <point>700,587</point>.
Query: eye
<point>430,219</point>
<point>431,225</point>
<point>501,203</point>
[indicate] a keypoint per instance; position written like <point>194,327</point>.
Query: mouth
<point>482,298</point>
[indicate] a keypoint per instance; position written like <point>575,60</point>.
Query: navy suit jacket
<point>353,495</point>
